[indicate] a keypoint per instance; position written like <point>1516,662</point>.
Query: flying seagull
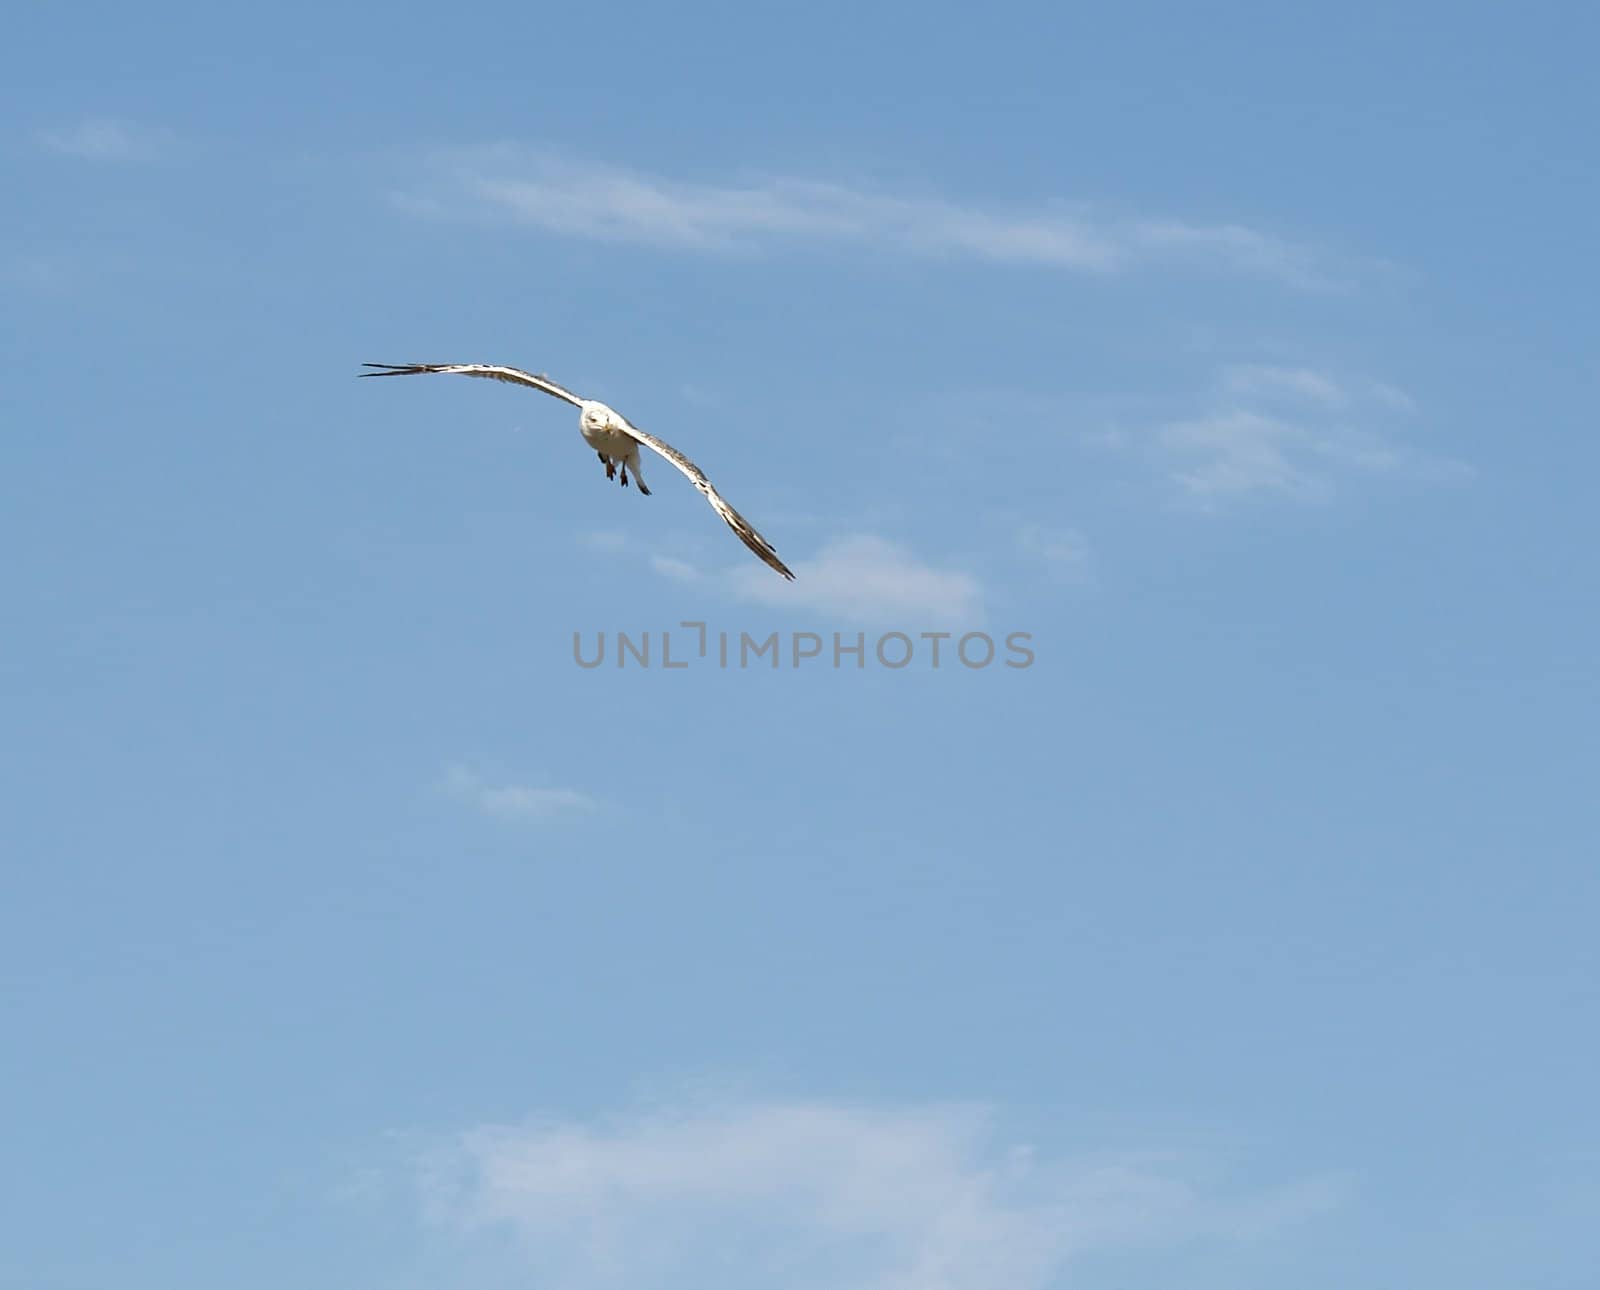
<point>613,437</point>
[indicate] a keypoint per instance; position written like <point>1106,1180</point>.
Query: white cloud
<point>1297,383</point>
<point>604,540</point>
<point>860,578</point>
<point>866,579</point>
<point>1388,395</point>
<point>1064,550</point>
<point>1294,432</point>
<point>513,801</point>
<point>802,1195</point>
<point>609,203</point>
<point>1228,245</point>
<point>680,570</point>
<point>1234,452</point>
<point>109,139</point>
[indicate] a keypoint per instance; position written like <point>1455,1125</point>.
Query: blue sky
<point>1243,356</point>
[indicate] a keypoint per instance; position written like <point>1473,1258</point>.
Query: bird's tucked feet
<point>611,467</point>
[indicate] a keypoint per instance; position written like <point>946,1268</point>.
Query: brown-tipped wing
<point>513,375</point>
<point>741,526</point>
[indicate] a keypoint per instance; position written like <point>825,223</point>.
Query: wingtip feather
<point>391,369</point>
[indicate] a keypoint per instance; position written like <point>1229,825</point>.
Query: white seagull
<point>614,438</point>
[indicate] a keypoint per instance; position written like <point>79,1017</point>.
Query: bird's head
<point>596,416</point>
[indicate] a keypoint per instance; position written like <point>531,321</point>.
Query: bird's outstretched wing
<point>741,526</point>
<point>513,375</point>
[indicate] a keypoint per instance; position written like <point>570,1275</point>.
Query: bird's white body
<point>602,430</point>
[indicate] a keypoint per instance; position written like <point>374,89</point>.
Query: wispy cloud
<point>864,578</point>
<point>603,540</point>
<point>1065,551</point>
<point>1288,431</point>
<point>803,1194</point>
<point>610,203</point>
<point>670,567</point>
<point>1234,451</point>
<point>109,139</point>
<point>861,578</point>
<point>1269,381</point>
<point>513,801</point>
